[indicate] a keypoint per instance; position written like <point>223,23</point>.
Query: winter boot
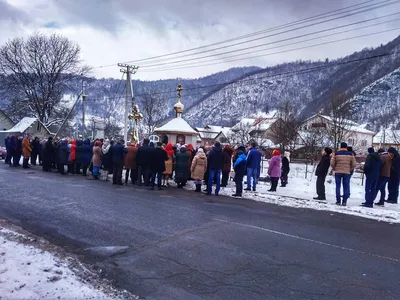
<point>198,188</point>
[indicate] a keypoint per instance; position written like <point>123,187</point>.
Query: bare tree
<point>240,133</point>
<point>153,108</point>
<point>36,72</point>
<point>339,113</point>
<point>284,132</point>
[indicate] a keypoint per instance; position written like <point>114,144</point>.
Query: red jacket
<point>73,150</point>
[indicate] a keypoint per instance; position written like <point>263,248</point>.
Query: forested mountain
<point>307,85</point>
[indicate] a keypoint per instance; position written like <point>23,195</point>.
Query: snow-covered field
<point>300,192</point>
<point>30,268</point>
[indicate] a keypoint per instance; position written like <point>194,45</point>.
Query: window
<point>318,125</point>
<point>180,139</point>
<point>351,142</point>
<point>364,143</point>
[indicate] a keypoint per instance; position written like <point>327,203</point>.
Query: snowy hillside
<point>379,103</point>
<point>308,85</point>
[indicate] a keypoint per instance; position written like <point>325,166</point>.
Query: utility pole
<point>128,70</point>
<point>83,108</point>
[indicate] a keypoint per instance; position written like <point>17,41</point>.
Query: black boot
<point>198,188</point>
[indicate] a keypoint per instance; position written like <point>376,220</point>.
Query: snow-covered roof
<point>22,125</point>
<point>349,125</point>
<point>244,122</point>
<point>212,131</point>
<point>177,125</point>
<point>263,124</point>
<point>388,136</point>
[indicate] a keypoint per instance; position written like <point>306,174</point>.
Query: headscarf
<point>169,149</point>
<point>276,152</point>
<point>106,146</point>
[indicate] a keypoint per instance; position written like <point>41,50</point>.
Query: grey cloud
<point>11,13</point>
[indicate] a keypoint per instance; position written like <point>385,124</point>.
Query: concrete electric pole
<point>83,108</point>
<point>129,70</point>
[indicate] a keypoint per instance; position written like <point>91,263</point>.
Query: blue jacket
<point>240,166</point>
<point>373,165</point>
<point>254,159</point>
<point>83,152</point>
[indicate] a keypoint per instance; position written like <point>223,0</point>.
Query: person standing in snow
<point>118,152</point>
<point>106,158</point>
<point>321,172</point>
<point>169,164</point>
<point>274,170</point>
<point>35,151</point>
<point>143,160</point>
<point>227,157</point>
<point>96,159</point>
<point>26,151</point>
<point>48,153</point>
<point>343,163</point>
<point>159,157</point>
<point>240,170</point>
<point>383,177</point>
<point>285,168</point>
<point>253,163</point>
<point>199,168</point>
<point>394,181</point>
<point>182,167</point>
<point>130,163</point>
<point>372,170</point>
<point>215,162</point>
<point>62,156</point>
<point>72,157</point>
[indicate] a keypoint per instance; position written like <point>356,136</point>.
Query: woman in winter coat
<point>182,167</point>
<point>227,157</point>
<point>169,164</point>
<point>26,152</point>
<point>190,151</point>
<point>199,168</point>
<point>240,170</point>
<point>130,163</point>
<point>96,159</point>
<point>62,156</point>
<point>274,170</point>
<point>86,152</point>
<point>72,157</point>
<point>106,161</point>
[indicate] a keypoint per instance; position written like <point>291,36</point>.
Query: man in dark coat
<point>9,149</point>
<point>83,156</point>
<point>118,155</point>
<point>394,180</point>
<point>240,170</point>
<point>48,153</point>
<point>79,156</point>
<point>182,167</point>
<point>227,157</point>
<point>215,161</point>
<point>321,172</point>
<point>383,177</point>
<point>35,150</point>
<point>18,152</point>
<point>143,160</point>
<point>159,157</point>
<point>62,157</point>
<point>285,169</point>
<point>372,169</point>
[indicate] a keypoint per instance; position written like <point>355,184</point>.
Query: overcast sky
<point>112,31</point>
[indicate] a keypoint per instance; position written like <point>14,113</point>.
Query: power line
<point>363,5</point>
<point>272,53</point>
<point>283,40</point>
<point>286,31</point>
<point>269,76</point>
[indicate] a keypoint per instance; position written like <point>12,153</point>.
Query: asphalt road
<point>176,244</point>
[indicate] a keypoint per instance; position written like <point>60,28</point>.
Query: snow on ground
<point>28,270</point>
<point>300,192</point>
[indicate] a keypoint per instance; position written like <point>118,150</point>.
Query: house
<point>266,130</point>
<point>210,134</point>
<point>5,121</point>
<point>27,126</point>
<point>177,130</point>
<point>353,134</point>
<point>240,132</point>
<point>387,138</point>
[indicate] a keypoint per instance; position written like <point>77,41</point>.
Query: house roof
<point>350,125</point>
<point>388,136</point>
<point>212,131</point>
<point>263,124</point>
<point>178,125</point>
<point>244,122</point>
<point>23,125</point>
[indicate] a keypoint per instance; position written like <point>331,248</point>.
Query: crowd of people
<point>381,169</point>
<point>154,165</point>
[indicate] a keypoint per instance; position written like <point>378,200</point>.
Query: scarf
<point>105,148</point>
